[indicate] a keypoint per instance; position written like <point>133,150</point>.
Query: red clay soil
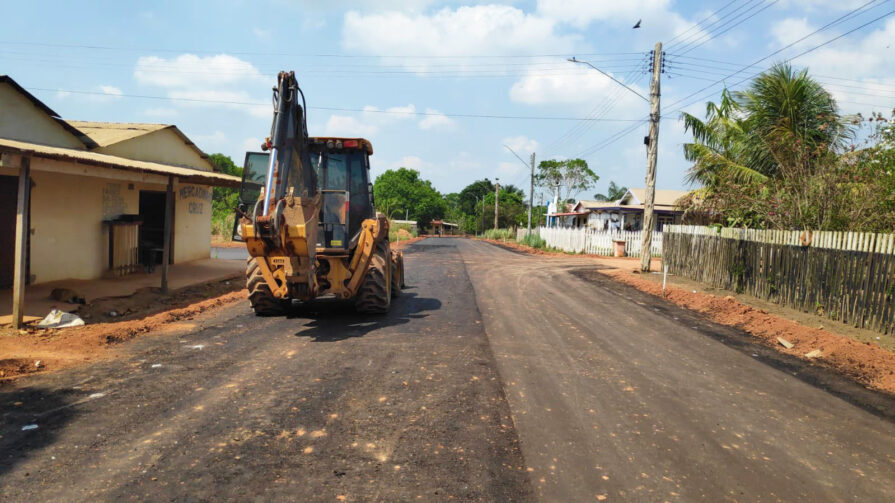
<point>36,350</point>
<point>864,362</point>
<point>404,243</point>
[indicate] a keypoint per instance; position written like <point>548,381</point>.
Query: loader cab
<point>342,166</point>
<point>343,175</point>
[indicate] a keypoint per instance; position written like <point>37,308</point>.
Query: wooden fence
<point>595,242</point>
<point>841,275</point>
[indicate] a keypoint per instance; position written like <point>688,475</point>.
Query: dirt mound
<point>58,348</point>
<point>865,362</point>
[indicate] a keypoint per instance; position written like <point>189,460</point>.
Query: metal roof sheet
<point>115,162</point>
<point>109,133</point>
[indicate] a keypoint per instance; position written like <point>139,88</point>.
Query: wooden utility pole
<point>651,155</point>
<point>20,276</point>
<point>496,202</point>
<point>169,215</point>
<point>531,191</point>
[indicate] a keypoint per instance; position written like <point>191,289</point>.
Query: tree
<point>614,193</point>
<point>472,194</point>
<point>223,199</point>
<point>402,192</point>
<point>777,155</point>
<point>569,176</point>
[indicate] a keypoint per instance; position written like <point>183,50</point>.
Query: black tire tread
<point>373,296</point>
<point>260,297</point>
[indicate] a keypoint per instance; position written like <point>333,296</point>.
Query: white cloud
<point>435,119</point>
<point>221,81</point>
<point>211,142</point>
<point>521,144</point>
<point>348,126</point>
<point>787,31</point>
<point>580,86</point>
<point>510,170</point>
<point>863,60</point>
<point>252,144</point>
<point>464,31</point>
<point>580,13</point>
<point>813,5</point>
<point>262,34</point>
<point>99,94</point>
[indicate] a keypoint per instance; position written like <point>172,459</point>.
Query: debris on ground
<point>814,354</point>
<point>60,319</point>
<point>785,343</point>
<point>29,427</point>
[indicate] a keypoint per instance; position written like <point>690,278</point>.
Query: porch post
<point>21,250</point>
<point>169,213</point>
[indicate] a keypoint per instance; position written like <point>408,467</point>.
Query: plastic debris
<point>37,364</point>
<point>197,346</point>
<point>29,427</point>
<point>60,319</point>
<point>113,314</point>
<point>96,395</point>
<point>814,354</point>
<point>156,365</point>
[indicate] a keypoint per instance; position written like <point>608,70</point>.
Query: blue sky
<point>407,74</point>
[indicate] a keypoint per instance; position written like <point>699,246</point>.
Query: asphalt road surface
<point>497,376</point>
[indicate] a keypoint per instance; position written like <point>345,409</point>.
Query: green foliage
<point>399,193</point>
<point>394,235</point>
<point>500,234</point>
<point>570,175</point>
<point>777,156</point>
<point>614,193</point>
<point>224,199</point>
<point>533,240</point>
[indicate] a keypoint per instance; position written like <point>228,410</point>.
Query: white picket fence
<point>853,241</point>
<point>594,242</point>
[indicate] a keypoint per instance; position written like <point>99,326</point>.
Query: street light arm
<point>573,60</point>
<point>517,155</point>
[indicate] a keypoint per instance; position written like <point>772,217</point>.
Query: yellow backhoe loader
<point>308,219</point>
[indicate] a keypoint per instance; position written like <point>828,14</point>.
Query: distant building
<point>98,192</point>
<point>626,214</point>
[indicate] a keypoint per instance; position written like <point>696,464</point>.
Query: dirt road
<point>496,377</point>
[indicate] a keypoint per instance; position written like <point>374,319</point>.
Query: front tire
<point>374,294</point>
<point>260,297</point>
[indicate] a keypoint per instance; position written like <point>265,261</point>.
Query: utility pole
<point>531,191</point>
<point>651,155</point>
<point>496,201</point>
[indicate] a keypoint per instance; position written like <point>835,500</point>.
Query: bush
<point>404,231</point>
<point>500,234</point>
<point>533,240</point>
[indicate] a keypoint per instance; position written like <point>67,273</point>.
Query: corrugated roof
<point>115,162</point>
<point>588,205</point>
<point>110,133</point>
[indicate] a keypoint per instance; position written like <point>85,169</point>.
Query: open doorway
<point>9,200</point>
<point>152,230</point>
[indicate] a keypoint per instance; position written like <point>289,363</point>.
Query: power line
<point>728,4</point>
<point>710,26</point>
<point>336,109</point>
<point>718,32</point>
<point>778,51</point>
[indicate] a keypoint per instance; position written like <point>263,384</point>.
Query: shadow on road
<point>336,320</point>
<point>22,408</point>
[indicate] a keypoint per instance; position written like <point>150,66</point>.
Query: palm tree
<point>749,136</point>
<point>614,193</point>
<point>789,113</point>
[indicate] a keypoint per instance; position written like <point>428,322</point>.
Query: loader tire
<point>260,297</point>
<point>374,294</point>
<point>397,276</point>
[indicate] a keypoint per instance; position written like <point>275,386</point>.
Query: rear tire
<point>260,297</point>
<point>374,294</point>
<point>397,276</point>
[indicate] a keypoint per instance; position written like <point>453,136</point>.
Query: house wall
<point>163,146</point>
<point>21,120</point>
<point>69,244</point>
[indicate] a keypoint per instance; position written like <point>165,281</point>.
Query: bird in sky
<point>638,24</point>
